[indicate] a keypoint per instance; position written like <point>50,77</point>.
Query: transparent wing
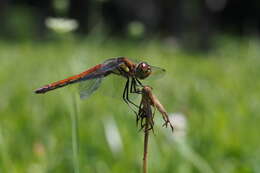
<point>91,82</point>
<point>87,87</point>
<point>157,72</point>
<point>107,67</point>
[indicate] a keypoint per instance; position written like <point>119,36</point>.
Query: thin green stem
<point>75,136</point>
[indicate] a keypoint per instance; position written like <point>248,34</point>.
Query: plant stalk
<point>75,136</point>
<point>146,137</point>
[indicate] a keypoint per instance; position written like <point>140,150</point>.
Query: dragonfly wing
<point>107,67</point>
<point>157,72</point>
<point>86,88</point>
<point>91,82</point>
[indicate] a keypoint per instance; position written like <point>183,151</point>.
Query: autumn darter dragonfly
<point>90,79</point>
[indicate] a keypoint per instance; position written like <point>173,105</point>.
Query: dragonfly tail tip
<point>40,91</point>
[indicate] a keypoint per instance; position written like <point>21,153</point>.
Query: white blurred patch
<point>113,136</point>
<point>61,25</point>
<point>179,122</point>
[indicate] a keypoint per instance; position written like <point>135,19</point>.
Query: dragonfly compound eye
<point>143,70</point>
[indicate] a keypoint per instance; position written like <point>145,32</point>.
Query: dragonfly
<point>91,79</point>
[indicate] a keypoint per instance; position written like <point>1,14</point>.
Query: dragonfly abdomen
<point>67,81</point>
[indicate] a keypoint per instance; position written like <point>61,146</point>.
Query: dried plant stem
<point>146,113</point>
<point>146,137</point>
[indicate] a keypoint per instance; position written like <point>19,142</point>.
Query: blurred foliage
<point>193,24</point>
<point>20,24</point>
<point>219,95</point>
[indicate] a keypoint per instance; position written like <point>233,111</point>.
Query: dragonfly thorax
<point>142,70</point>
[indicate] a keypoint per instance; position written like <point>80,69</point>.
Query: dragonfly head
<point>142,70</point>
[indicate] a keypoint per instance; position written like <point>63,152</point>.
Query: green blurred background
<point>211,88</point>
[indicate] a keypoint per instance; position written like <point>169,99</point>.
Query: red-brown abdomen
<point>69,80</point>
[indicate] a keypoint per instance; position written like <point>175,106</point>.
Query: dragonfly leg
<point>139,82</point>
<point>125,96</point>
<point>138,91</point>
<point>133,88</point>
<point>125,92</point>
